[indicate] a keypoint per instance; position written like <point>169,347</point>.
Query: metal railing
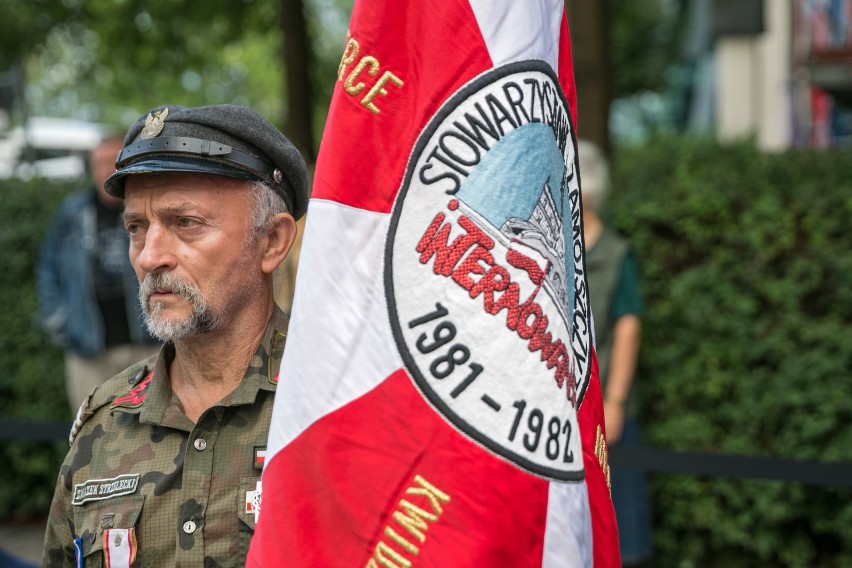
<point>635,458</point>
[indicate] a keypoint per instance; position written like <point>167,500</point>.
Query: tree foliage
<point>747,279</point>
<point>32,375</point>
<point>109,60</point>
<point>25,25</point>
<point>112,60</point>
<point>645,37</point>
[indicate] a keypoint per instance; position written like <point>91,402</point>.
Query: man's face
<point>190,249</point>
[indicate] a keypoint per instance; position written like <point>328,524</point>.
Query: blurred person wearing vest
<point>617,309</point>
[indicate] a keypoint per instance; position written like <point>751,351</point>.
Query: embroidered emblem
<point>487,226</point>
<point>253,499</point>
<point>100,489</point>
<point>136,397</point>
<point>154,124</point>
<point>259,456</point>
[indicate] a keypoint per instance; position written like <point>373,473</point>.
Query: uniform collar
<point>262,372</point>
<point>159,406</point>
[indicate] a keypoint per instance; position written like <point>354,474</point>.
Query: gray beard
<point>201,320</point>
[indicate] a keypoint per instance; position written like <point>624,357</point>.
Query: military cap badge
<point>154,124</point>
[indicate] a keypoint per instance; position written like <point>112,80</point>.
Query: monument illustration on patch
<point>486,228</point>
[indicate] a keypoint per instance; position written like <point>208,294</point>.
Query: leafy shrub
<point>747,280</point>
<point>32,374</point>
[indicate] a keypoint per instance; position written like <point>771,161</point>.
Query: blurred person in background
<point>87,289</point>
<point>617,308</point>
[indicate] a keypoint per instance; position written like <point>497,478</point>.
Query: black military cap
<point>226,140</point>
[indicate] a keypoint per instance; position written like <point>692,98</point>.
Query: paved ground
<point>21,542</point>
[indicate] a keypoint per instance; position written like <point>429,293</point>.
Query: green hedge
<point>746,262</point>
<point>32,383</point>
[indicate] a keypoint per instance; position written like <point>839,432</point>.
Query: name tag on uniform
<point>100,489</point>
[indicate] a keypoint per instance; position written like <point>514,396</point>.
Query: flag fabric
<point>438,402</point>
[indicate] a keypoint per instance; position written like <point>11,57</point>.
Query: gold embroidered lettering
<point>400,540</point>
<point>351,83</point>
<point>368,61</point>
<point>414,520</point>
<point>349,55</point>
<point>378,89</point>
<point>382,548</point>
<point>430,492</point>
<point>602,454</point>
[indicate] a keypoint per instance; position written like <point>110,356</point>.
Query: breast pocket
<point>92,520</point>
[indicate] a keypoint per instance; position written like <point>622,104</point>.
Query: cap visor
<point>114,185</point>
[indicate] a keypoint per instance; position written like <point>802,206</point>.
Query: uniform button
<point>200,444</point>
<point>189,527</point>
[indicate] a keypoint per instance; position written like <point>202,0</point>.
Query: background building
<point>776,70</point>
<point>53,148</point>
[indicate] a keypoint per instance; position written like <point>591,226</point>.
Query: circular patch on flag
<point>484,269</point>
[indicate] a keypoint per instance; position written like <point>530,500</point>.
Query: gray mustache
<point>167,280</point>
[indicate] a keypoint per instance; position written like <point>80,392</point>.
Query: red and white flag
<point>439,403</point>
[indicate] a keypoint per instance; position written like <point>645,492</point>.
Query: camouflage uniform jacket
<point>138,462</point>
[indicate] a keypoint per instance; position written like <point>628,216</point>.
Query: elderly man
<point>165,460</point>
